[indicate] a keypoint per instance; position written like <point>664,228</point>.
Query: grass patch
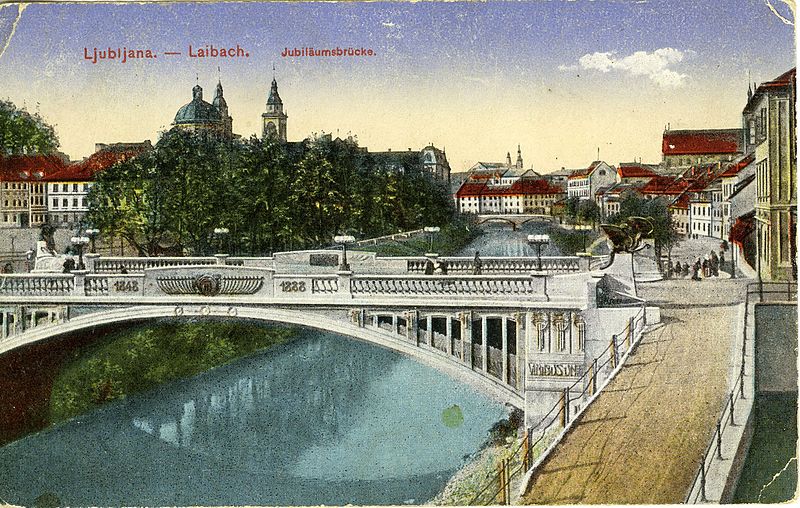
<point>140,358</point>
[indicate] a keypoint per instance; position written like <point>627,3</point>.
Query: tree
<point>664,232</point>
<point>269,195</point>
<point>22,132</point>
<point>588,211</point>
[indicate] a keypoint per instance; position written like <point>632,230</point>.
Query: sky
<point>561,79</point>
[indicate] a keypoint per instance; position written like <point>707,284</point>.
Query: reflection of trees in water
<point>269,412</point>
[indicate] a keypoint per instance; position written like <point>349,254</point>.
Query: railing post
<point>501,470</point>
<point>594,376</point>
<point>344,287</point>
<point>527,459</point>
<point>222,259</point>
<point>630,333</point>
<point>741,381</point>
<point>733,407</point>
<point>719,440</point>
<point>703,481</point>
<point>79,279</point>
<point>613,351</point>
<point>565,407</point>
<point>89,260</point>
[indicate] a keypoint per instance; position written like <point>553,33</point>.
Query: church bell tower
<point>274,118</point>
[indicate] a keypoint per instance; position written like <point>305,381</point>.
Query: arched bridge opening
<point>440,340</point>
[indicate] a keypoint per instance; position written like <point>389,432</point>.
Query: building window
<point>64,203</point>
<point>762,124</point>
<point>55,202</point>
<point>74,187</point>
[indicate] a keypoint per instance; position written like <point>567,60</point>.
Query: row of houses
<point>35,189</point>
<point>737,185</point>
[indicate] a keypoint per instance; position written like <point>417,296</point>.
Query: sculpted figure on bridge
<point>47,260</point>
<point>628,236</point>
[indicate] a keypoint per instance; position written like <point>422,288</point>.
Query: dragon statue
<point>627,237</point>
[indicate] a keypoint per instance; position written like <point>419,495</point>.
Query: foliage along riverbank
<point>452,238</point>
<point>139,358</point>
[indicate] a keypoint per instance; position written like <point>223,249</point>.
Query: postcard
<point>398,253</point>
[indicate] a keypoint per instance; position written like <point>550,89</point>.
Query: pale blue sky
<point>560,78</point>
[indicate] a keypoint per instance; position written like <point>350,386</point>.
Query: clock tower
<point>274,118</point>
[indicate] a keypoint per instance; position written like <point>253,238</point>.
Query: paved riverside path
<point>642,439</point>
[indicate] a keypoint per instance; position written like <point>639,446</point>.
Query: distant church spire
<point>519,157</point>
<point>508,159</point>
<point>274,119</point>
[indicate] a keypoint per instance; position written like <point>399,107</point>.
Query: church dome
<point>197,111</point>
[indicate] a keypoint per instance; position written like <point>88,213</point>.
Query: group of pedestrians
<point>708,266</point>
<point>440,266</point>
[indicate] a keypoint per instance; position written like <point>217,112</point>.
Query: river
<point>500,239</point>
<point>321,420</point>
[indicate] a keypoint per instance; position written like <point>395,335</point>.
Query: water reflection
<point>322,420</point>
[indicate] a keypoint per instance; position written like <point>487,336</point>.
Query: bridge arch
<point>319,321</point>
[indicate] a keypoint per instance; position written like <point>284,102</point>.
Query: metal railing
<point>573,402</point>
<point>782,291</point>
<point>395,236</point>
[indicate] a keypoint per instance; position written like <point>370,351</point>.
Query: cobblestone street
<point>642,439</point>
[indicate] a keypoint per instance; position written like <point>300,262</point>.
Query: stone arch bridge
<point>519,337</point>
<point>515,220</point>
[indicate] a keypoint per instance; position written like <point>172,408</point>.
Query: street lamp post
<point>79,242</point>
<point>431,230</point>
<point>538,241</point>
<point>583,228</point>
<point>219,234</point>
<point>343,240</point>
<point>92,235</point>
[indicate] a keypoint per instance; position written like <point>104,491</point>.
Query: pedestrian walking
<point>677,270</point>
<point>721,260</point>
<point>696,270</point>
<point>705,267</point>
<point>443,267</point>
<point>477,264</point>
<point>685,270</point>
<point>714,264</point>
<point>69,265</point>
<point>428,267</point>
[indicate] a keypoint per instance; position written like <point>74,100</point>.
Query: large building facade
<point>769,120</point>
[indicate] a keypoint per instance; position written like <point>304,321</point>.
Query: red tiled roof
<point>698,142</point>
<point>634,171</point>
<point>523,186</point>
<point>682,202</point>
<point>95,163</point>
<point>470,189</point>
<point>664,185</point>
<point>734,169</point>
<point>22,168</point>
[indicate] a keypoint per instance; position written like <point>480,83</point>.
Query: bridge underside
<point>480,350</point>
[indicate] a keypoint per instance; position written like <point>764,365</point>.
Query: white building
<point>583,183</point>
